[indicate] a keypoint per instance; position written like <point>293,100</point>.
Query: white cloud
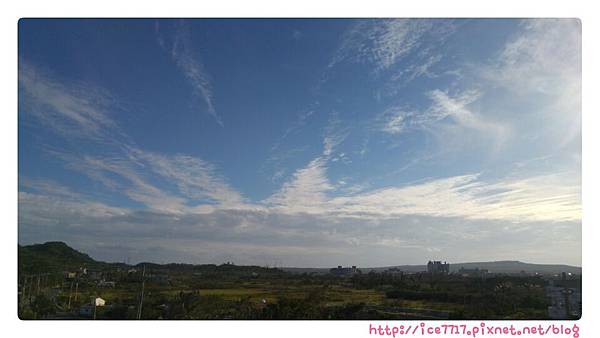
<point>308,187</point>
<point>544,57</point>
<point>277,156</point>
<point>457,108</point>
<point>194,177</point>
<point>306,191</point>
<point>529,91</point>
<point>44,206</point>
<point>384,43</point>
<point>335,134</point>
<point>70,110</point>
<point>552,198</point>
<point>395,120</point>
<point>169,183</point>
<point>81,111</point>
<point>129,180</point>
<point>47,187</point>
<point>540,68</point>
<point>446,110</point>
<point>417,70</point>
<point>192,68</point>
<point>409,220</point>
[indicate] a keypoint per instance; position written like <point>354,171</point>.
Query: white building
<point>99,302</point>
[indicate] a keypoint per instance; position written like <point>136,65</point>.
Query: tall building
<point>437,267</point>
<point>341,271</point>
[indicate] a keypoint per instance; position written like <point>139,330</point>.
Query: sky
<point>302,142</point>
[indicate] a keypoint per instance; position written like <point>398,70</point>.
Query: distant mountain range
<point>58,256</point>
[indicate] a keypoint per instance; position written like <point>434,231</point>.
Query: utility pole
<point>76,288</point>
<point>24,288</point>
<point>70,294</point>
<point>30,288</point>
<point>139,314</point>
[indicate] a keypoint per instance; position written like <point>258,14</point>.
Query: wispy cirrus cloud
<point>307,189</point>
<point>385,44</point>
<point>542,62</point>
<point>397,119</point>
<point>80,112</point>
<point>382,43</point>
<point>187,183</point>
<point>47,187</point>
<point>301,121</point>
<point>77,109</point>
<point>39,205</point>
<point>122,175</point>
<point>445,108</point>
<point>553,198</point>
<point>457,108</point>
<point>534,78</point>
<point>550,198</point>
<point>191,65</point>
<point>195,178</point>
<point>335,134</point>
<point>543,57</point>
<point>416,70</point>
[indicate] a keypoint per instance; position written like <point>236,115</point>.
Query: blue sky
<point>302,142</point>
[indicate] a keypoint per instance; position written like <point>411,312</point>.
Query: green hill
<point>52,257</point>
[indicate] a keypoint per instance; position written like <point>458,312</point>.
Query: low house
<point>99,301</point>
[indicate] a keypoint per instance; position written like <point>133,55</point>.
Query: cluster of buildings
<point>109,279</point>
<point>100,278</point>
<point>341,271</point>
<point>438,268</point>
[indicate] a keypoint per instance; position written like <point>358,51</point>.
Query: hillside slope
<point>52,257</point>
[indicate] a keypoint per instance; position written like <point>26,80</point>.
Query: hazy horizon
<point>424,263</point>
<point>302,142</point>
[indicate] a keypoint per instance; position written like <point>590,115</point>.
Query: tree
<point>42,306</point>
